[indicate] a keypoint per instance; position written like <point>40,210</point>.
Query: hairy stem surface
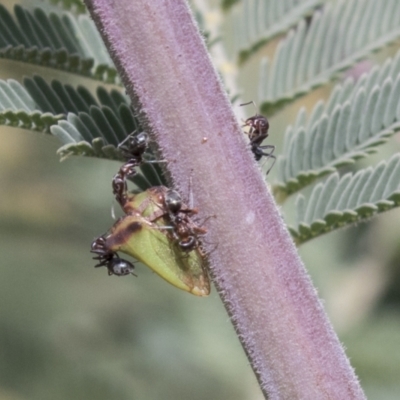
<point>260,278</point>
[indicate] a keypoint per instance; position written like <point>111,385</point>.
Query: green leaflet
<point>336,37</point>
<point>352,198</point>
<point>56,40</point>
<point>85,124</point>
<point>76,6</point>
<point>357,118</point>
<point>269,19</point>
<point>19,109</point>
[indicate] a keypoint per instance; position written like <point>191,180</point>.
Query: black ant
<point>185,231</point>
<point>258,131</point>
<point>178,217</point>
<point>133,151</point>
<point>110,259</point>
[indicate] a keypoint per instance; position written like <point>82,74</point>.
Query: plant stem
<point>274,308</point>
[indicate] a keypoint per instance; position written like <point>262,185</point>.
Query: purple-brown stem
<point>275,309</point>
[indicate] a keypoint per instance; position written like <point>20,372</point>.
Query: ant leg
<point>196,228</point>
<point>201,223</point>
<point>153,161</point>
<point>268,146</point>
<point>274,159</point>
<point>156,215</point>
<point>268,155</point>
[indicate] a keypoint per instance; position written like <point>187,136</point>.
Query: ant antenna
<point>113,216</point>
<point>250,102</point>
<point>191,200</point>
<point>131,134</point>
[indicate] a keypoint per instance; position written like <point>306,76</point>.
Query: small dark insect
<point>258,131</point>
<point>134,146</point>
<point>115,265</point>
<point>185,230</point>
<point>179,217</point>
<point>133,149</point>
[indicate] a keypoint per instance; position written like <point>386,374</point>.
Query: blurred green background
<point>68,331</point>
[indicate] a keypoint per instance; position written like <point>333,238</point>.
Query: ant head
<point>134,145</point>
<point>138,143</point>
<point>258,122</point>
<point>141,139</point>
<point>173,200</point>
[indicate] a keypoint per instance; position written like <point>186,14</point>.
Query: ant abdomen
<point>189,243</point>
